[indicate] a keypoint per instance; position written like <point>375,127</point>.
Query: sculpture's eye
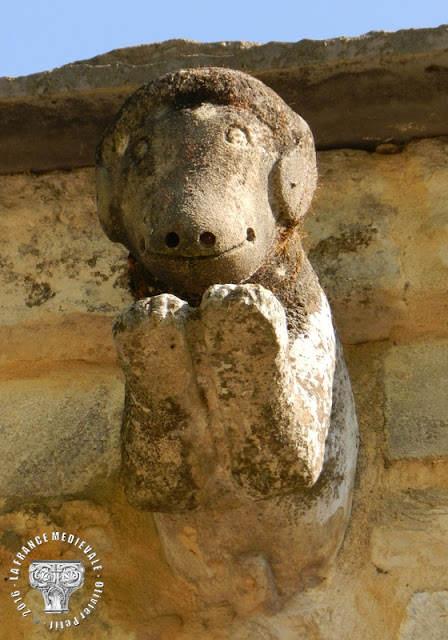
<point>237,136</point>
<point>140,149</point>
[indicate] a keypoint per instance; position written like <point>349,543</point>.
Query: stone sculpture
<point>239,429</point>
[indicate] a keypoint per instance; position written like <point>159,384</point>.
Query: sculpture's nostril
<point>250,234</point>
<point>172,240</point>
<point>207,238</point>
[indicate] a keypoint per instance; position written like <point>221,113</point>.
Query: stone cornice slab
<point>354,92</point>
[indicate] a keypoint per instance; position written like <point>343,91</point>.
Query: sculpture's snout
<point>205,239</point>
<point>176,248</point>
<point>184,242</point>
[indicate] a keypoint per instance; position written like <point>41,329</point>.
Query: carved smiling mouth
<point>200,257</point>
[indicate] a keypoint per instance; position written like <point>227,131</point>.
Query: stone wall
<point>378,239</point>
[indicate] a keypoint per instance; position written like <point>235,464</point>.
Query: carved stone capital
<point>56,580</point>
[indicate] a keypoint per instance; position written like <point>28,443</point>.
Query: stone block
<point>59,432</point>
<point>55,258</point>
<point>426,617</point>
<point>416,409</point>
<point>85,337</point>
<point>413,533</point>
<point>378,240</point>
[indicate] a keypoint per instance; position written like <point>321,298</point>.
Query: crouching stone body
<point>239,428</point>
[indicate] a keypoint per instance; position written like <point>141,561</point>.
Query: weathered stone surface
<point>393,85</point>
<point>61,282</point>
<point>59,432</point>
<point>378,240</point>
<point>248,54</point>
<point>426,617</point>
<point>413,533</point>
<point>54,337</point>
<point>54,258</point>
<point>416,409</point>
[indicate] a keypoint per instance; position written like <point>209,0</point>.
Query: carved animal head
<point>201,173</point>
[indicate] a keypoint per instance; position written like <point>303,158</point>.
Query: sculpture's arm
<point>164,417</point>
<point>273,391</point>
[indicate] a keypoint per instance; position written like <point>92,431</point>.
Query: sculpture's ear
<point>108,177</point>
<point>108,211</point>
<point>293,181</point>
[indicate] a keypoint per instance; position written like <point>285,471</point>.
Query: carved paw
<point>244,295</point>
<point>246,319</point>
<point>164,309</point>
<point>153,329</point>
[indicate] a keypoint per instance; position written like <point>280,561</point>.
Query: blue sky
<point>36,35</point>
